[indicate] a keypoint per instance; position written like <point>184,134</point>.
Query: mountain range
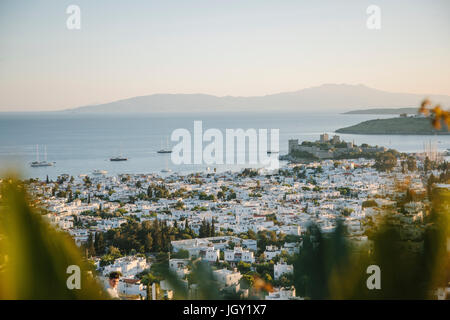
<point>327,97</point>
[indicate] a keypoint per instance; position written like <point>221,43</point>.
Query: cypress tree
<point>90,245</point>
<point>213,230</point>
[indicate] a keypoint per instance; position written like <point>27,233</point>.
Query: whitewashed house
<point>282,268</point>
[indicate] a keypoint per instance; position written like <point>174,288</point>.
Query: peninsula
<point>401,125</point>
<point>411,110</point>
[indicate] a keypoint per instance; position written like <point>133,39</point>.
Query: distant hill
<point>409,125</point>
<point>327,97</point>
<point>412,110</point>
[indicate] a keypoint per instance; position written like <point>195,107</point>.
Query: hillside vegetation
<point>410,125</point>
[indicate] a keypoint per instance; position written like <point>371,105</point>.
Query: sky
<point>221,47</point>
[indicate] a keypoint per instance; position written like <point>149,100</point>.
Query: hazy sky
<point>221,47</point>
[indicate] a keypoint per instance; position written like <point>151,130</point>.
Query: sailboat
<point>44,163</point>
<point>119,158</point>
<point>166,150</point>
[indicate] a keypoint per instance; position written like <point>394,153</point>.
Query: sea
<point>79,143</point>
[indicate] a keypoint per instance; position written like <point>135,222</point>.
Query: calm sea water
<point>80,143</point>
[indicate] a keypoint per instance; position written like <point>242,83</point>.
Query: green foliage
<point>346,212</point>
<point>243,267</point>
<point>303,155</point>
<point>181,254</point>
<point>37,255</point>
<point>247,172</point>
<point>150,236</point>
<point>204,196</point>
<point>207,229</point>
<point>369,204</point>
<point>344,191</point>
<point>385,161</point>
<point>409,125</point>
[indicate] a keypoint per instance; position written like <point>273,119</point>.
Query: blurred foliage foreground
<point>34,258</point>
<point>333,268</point>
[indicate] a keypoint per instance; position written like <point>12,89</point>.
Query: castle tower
<point>324,138</point>
<point>293,144</point>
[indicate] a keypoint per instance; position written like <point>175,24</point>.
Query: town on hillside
<point>248,226</point>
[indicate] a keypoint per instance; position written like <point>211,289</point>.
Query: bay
<point>80,143</point>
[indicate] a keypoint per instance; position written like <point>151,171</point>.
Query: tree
<point>369,203</point>
<point>243,267</point>
<point>262,241</point>
<point>179,205</point>
<point>385,161</point>
<point>208,229</point>
<point>431,180</point>
<point>267,278</point>
<point>247,281</point>
<point>427,165</point>
<point>251,234</point>
<point>114,252</point>
<point>87,181</point>
<point>213,230</point>
<point>90,245</point>
<point>181,254</point>
<point>204,230</point>
<point>157,237</point>
<point>346,212</point>
<point>412,164</point>
<point>99,243</point>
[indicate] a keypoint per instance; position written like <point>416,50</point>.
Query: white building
<point>210,254</point>
<point>293,230</point>
<point>79,235</point>
<point>128,287</point>
<point>227,278</point>
<point>129,266</point>
<point>291,247</point>
<point>132,287</point>
<point>283,294</point>
<point>282,268</point>
<point>249,244</point>
<point>179,266</point>
<point>271,252</point>
<point>238,254</point>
